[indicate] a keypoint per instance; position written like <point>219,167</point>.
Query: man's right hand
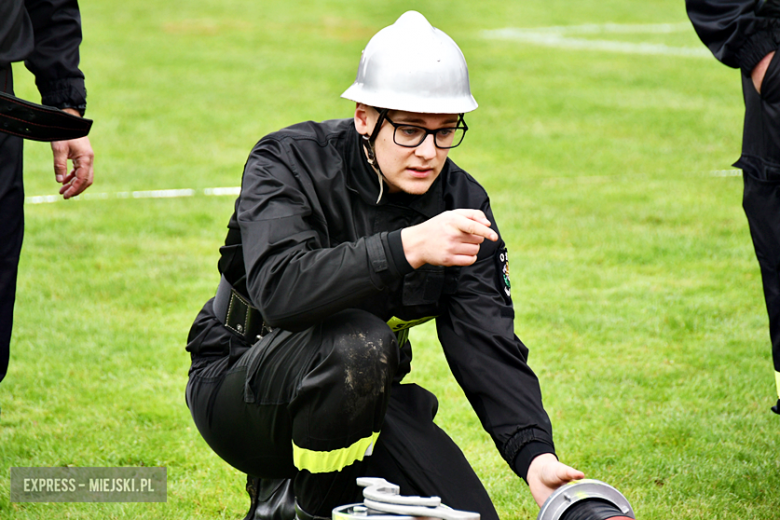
<point>450,238</point>
<point>757,75</point>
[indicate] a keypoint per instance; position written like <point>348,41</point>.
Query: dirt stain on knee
<point>365,373</point>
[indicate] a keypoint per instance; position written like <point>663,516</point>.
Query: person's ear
<point>361,119</point>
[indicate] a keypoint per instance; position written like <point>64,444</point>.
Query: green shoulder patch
<point>502,274</point>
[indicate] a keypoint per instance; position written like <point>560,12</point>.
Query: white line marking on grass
<point>726,173</point>
<point>236,190</point>
<point>148,194</point>
<point>558,36</point>
<point>602,28</point>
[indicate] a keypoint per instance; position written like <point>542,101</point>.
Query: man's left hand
<point>79,152</point>
<point>546,474</point>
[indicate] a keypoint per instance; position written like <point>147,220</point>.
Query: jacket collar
<point>363,180</point>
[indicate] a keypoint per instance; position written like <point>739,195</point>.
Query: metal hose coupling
<point>382,501</point>
<point>586,499</point>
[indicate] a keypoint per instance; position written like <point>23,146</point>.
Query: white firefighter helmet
<point>414,67</point>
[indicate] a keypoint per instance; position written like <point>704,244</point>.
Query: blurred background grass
<point>634,280</point>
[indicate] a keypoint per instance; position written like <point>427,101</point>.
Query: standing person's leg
<point>12,228</point>
<point>762,207</point>
<point>306,406</point>
<point>760,163</point>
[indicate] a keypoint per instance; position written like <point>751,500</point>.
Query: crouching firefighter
<point>346,234</point>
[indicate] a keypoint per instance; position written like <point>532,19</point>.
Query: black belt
<point>237,314</point>
<point>39,122</point>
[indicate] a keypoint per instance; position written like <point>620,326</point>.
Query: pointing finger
<point>475,228</point>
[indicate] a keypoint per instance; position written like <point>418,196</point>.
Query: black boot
<point>300,514</point>
<point>776,408</point>
<point>272,499</point>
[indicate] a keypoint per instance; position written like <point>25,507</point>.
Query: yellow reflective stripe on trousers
<point>777,380</point>
<point>335,460</point>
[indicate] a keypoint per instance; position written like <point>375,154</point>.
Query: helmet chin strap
<point>368,144</point>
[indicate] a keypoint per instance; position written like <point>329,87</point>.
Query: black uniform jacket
<point>308,239</point>
<point>46,34</point>
<point>738,32</point>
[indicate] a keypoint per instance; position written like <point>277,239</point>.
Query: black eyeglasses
<point>412,136</point>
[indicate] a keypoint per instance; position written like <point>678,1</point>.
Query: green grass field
<point>635,283</point>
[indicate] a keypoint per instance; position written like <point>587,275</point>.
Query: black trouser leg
<point>11,227</point>
<point>420,457</point>
<point>301,405</point>
<point>762,206</point>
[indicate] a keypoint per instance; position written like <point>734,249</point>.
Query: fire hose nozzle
<point>560,503</point>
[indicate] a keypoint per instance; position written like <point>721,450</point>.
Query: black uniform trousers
<point>11,225</point>
<point>323,389</point>
<point>760,163</point>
